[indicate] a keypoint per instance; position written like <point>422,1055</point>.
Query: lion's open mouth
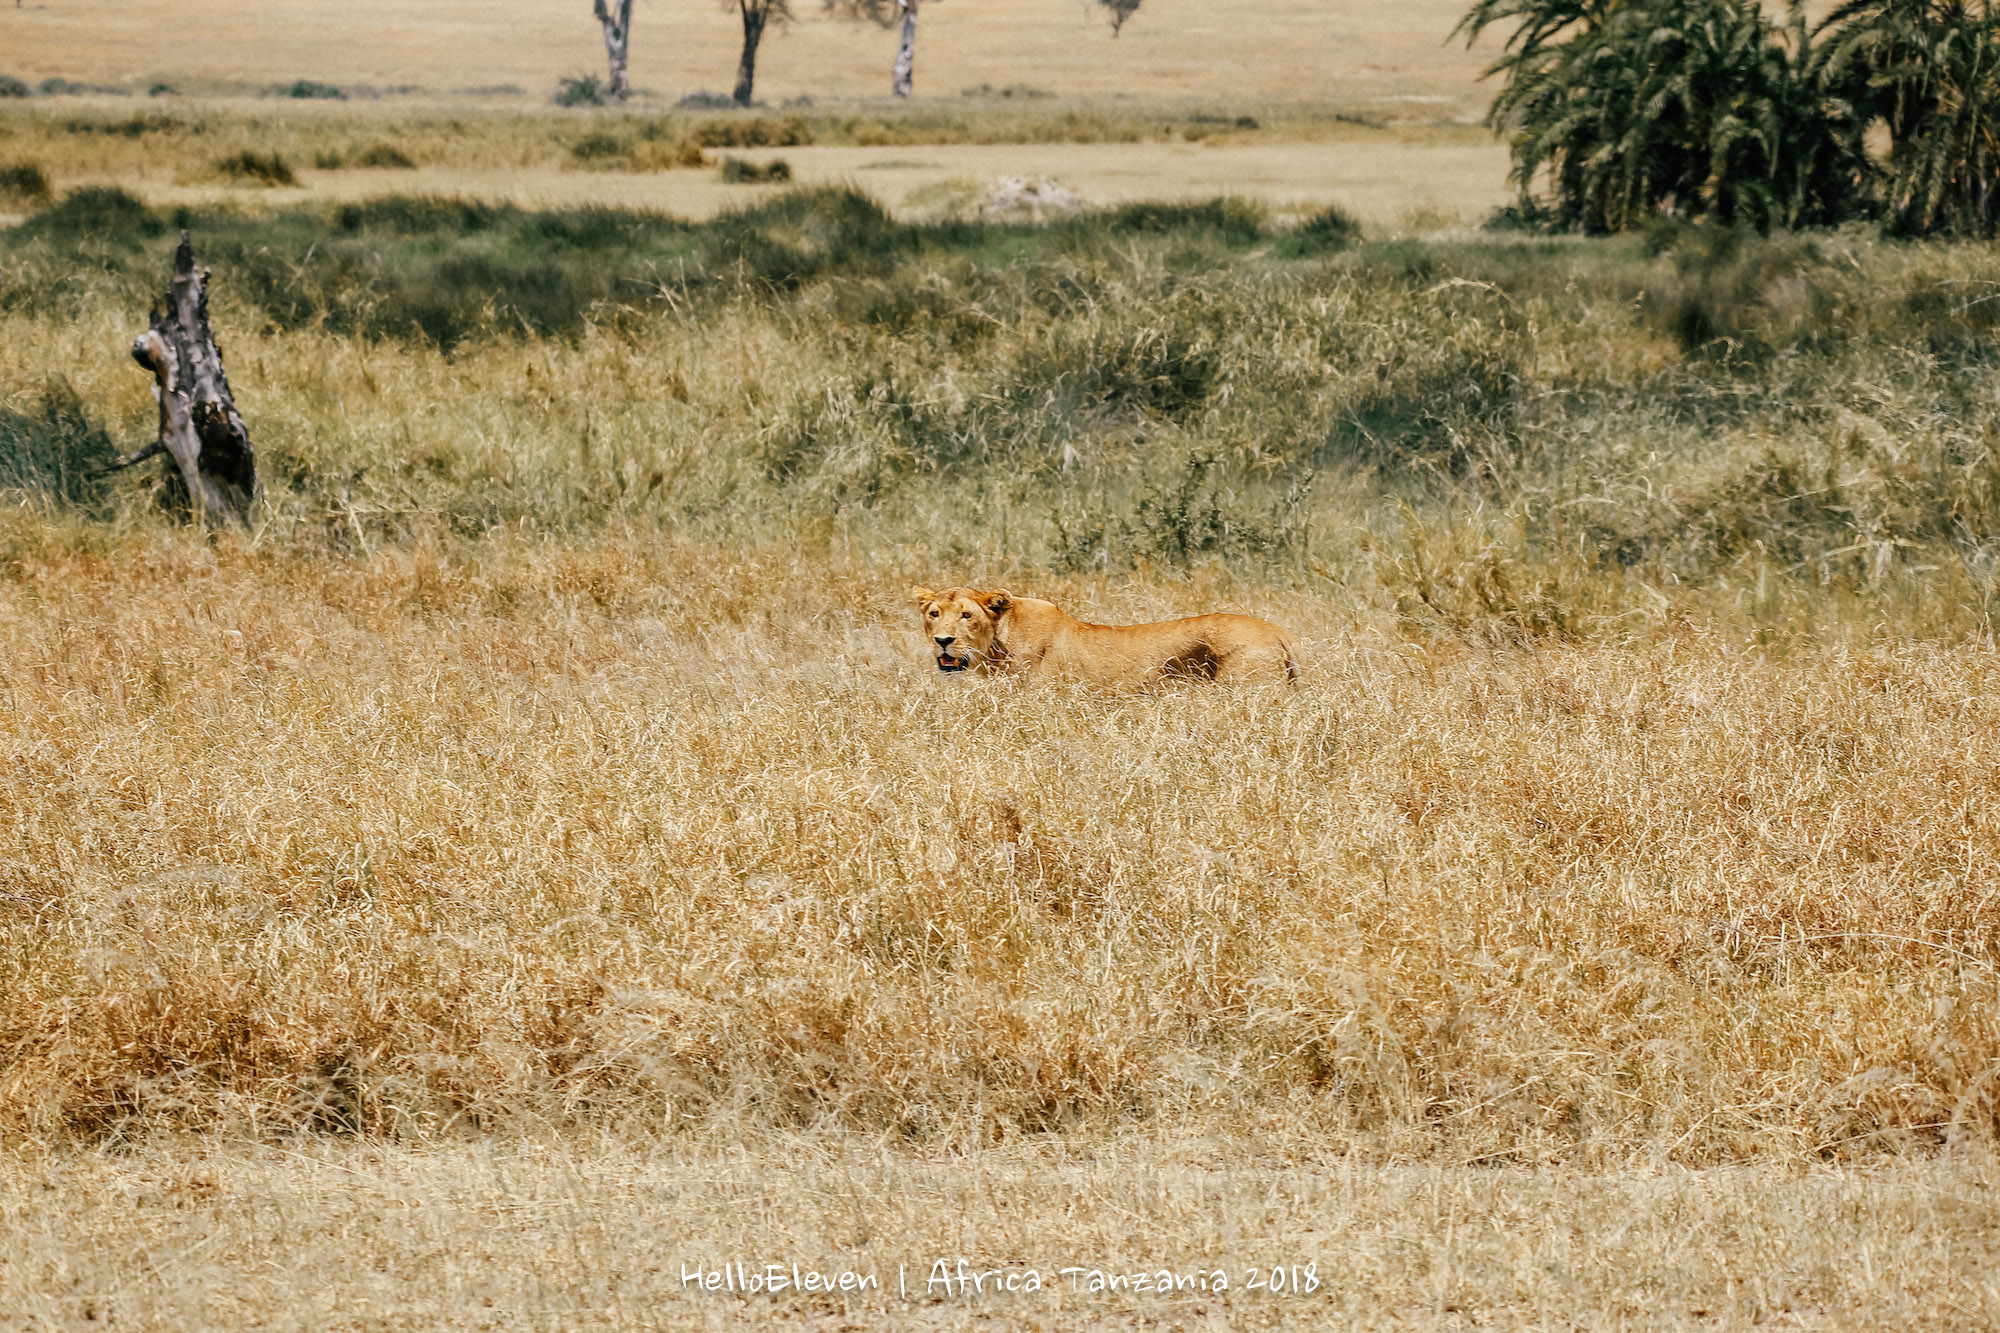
<point>946,662</point>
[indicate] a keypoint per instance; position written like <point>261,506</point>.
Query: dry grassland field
<point>533,870</point>
<point>1025,87</point>
<point>1350,51</point>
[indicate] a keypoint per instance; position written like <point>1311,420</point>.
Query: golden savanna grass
<point>539,854</point>
<point>1076,96</point>
<point>657,838</point>
<point>412,845</point>
<point>922,160</point>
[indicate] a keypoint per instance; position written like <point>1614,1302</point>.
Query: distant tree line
<point>1620,111</point>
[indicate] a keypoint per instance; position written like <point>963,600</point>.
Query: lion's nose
<point>944,640</point>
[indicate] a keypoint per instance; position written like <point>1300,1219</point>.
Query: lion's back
<point>1213,646</point>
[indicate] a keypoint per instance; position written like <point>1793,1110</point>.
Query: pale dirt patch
<point>1356,50</point>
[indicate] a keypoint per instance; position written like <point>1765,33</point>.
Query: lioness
<point>987,632</point>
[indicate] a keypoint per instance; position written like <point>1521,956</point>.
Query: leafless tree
<point>616,17</point>
<point>757,15</point>
<point>889,13</point>
<point>1120,11</point>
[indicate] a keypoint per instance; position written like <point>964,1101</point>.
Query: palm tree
<point>1702,109</point>
<point>1929,72</point>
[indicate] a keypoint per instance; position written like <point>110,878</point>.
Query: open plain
<point>536,857</point>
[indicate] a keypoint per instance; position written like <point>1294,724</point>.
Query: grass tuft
<point>24,183</point>
<point>735,171</point>
<point>309,90</point>
<point>262,168</point>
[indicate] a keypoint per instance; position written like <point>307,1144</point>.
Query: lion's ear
<point>922,595</point>
<point>998,602</point>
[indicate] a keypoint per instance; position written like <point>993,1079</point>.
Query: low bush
<point>53,451</point>
<point>383,155</point>
<point>735,171</point>
<point>130,127</point>
<point>24,183</point>
<point>1239,221</point>
<point>93,215</point>
<point>1329,231</point>
<point>754,132</point>
<point>60,87</point>
<point>12,87</point>
<point>600,149</point>
<point>266,169</point>
<point>309,90</point>
<point>579,90</point>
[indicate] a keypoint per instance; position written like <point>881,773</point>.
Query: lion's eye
<point>933,613</point>
<point>965,615</point>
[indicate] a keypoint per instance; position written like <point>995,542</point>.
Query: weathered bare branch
<point>153,450</point>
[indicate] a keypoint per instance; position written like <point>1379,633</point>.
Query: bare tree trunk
<point>906,51</point>
<point>199,424</point>
<point>617,20</point>
<point>754,19</point>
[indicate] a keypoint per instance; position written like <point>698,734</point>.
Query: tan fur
<point>988,632</point>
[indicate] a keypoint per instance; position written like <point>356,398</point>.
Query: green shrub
<point>1735,292</point>
<point>579,90</point>
<point>60,87</point>
<point>384,155</point>
<point>755,132</point>
<point>12,87</point>
<point>96,213</point>
<point>599,149</point>
<point>1164,369</point>
<point>1201,509</point>
<point>131,127</point>
<point>415,215</point>
<point>1326,232</point>
<point>266,169</point>
<point>735,171</point>
<point>308,90</point>
<point>24,182</point>
<point>54,451</point>
<point>1238,221</point>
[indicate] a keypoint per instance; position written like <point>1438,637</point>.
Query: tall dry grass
<point>553,748</point>
<point>555,766</point>
<point>673,834</point>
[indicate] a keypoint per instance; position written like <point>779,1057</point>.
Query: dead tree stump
<point>200,428</point>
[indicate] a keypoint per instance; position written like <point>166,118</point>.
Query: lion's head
<point>961,623</point>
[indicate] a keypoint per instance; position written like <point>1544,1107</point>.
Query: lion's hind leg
<point>1193,661</point>
<point>1259,663</point>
